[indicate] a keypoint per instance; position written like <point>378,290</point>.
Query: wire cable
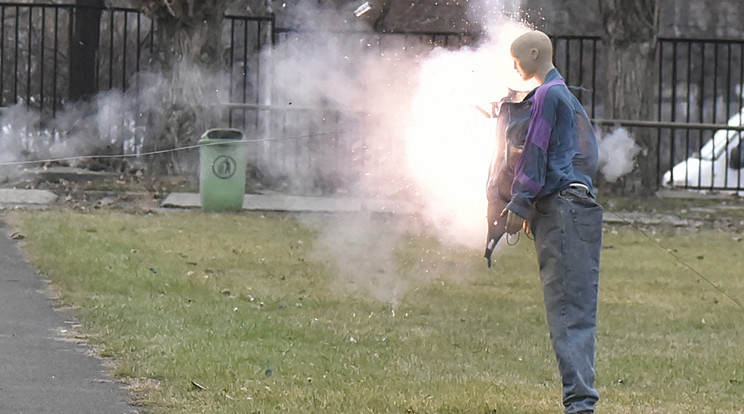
<point>680,261</point>
<point>158,152</point>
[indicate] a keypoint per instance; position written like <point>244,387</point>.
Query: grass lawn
<point>266,313</point>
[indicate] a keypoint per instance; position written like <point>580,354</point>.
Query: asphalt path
<point>43,369</point>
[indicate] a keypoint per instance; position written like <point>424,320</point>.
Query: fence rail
<point>716,165</point>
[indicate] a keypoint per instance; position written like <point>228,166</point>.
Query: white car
<point>718,166</point>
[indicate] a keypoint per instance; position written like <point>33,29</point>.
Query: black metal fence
<point>699,84</point>
<point>579,59</point>
<point>35,44</point>
<point>30,44</point>
<point>700,99</point>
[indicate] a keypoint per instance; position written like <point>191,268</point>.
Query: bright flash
<point>450,142</point>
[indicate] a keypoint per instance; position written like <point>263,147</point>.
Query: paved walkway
<point>41,370</point>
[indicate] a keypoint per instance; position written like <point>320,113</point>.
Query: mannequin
<point>553,197</point>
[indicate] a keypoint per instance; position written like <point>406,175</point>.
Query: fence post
<point>265,85</point>
<point>84,39</point>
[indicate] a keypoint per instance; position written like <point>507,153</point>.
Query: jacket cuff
<point>519,206</point>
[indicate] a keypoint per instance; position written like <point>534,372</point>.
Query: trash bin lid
<point>222,134</point>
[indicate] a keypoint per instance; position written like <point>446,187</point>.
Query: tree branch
<point>169,6</point>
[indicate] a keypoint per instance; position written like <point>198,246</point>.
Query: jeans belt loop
<point>579,185</point>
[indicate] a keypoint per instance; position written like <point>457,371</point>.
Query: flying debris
<point>364,8</point>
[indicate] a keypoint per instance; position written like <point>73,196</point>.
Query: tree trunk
<point>630,39</point>
<point>187,58</point>
<point>83,49</point>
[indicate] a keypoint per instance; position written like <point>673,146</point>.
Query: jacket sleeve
<point>531,169</point>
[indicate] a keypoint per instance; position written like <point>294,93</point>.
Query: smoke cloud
<point>117,122</point>
<point>423,138</point>
<point>409,112</point>
<point>359,250</point>
<point>617,152</point>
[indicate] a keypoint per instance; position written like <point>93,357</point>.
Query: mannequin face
<point>524,62</point>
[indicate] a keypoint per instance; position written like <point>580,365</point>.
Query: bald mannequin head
<point>533,55</point>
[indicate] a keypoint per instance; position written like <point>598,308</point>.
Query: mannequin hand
<point>514,222</point>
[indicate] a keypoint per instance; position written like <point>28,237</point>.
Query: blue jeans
<point>568,240</point>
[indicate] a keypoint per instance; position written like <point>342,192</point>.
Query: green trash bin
<point>222,161</point>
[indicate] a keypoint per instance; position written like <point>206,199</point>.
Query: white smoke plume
<point>359,250</point>
<point>114,121</point>
<point>617,152</point>
<point>422,102</point>
<point>418,125</point>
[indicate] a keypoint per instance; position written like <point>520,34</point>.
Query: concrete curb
<point>278,202</point>
<point>11,196</point>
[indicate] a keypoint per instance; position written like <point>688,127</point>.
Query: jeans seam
<point>567,270</point>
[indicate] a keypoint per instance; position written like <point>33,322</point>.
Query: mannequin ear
<point>534,53</point>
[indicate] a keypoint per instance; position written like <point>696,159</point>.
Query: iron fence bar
<point>35,5</point>
<point>715,99</point>
<point>741,104</point>
<point>660,109</point>
<point>670,125</point>
<point>245,63</point>
<point>710,40</point>
<point>15,60</point>
<point>138,50</point>
<point>30,50</point>
<point>41,65</point>
<point>2,57</point>
<point>728,104</point>
<point>259,73</point>
<point>111,51</point>
<point>232,70</point>
<point>99,59</point>
<point>124,52</point>
<point>687,108</point>
<point>701,109</point>
<point>715,82</point>
<point>56,53</point>
<point>728,78</point>
<point>567,62</point>
<point>260,107</point>
<point>673,114</point>
<point>674,82</point>
<point>70,34</point>
<point>594,77</point>
<point>581,67</point>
